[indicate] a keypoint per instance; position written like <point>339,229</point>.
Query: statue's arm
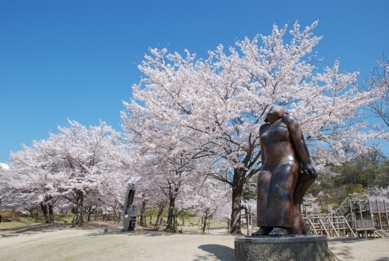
<point>297,138</point>
<point>261,145</point>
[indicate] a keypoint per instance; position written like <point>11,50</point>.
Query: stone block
<point>291,248</point>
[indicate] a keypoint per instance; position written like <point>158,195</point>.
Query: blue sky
<point>77,60</point>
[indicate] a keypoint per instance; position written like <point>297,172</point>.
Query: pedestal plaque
<point>293,247</point>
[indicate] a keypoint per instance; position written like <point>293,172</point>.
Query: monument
<point>129,211</point>
<point>285,175</point>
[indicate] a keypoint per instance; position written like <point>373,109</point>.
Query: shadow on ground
<point>345,250</point>
<point>37,228</point>
<point>138,232</point>
<point>219,252</point>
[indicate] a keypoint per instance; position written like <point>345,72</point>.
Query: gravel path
<point>96,244</point>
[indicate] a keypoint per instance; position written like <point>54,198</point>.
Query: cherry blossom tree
<point>83,165</point>
<point>169,176</point>
<point>310,204</point>
<point>3,177</point>
<point>380,81</point>
<point>149,196</point>
<point>28,183</point>
<point>207,200</point>
<point>212,108</point>
<point>378,194</point>
<point>3,167</point>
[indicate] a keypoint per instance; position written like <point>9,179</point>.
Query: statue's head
<point>275,113</point>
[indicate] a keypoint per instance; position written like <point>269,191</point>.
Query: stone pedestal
<point>293,247</point>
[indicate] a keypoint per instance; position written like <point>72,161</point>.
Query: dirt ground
<point>108,242</point>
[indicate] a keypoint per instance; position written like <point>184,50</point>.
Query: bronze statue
<point>286,174</point>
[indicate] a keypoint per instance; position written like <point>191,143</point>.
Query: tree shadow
<point>221,252</point>
<point>136,232</point>
<point>37,228</point>
<point>343,249</point>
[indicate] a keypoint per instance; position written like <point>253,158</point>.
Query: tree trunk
<point>142,220</point>
<point>151,217</point>
<point>51,214</point>
<point>97,212</point>
<point>160,211</point>
<point>205,219</point>
<point>78,211</point>
<point>171,217</point>
<point>237,190</point>
<point>204,225</point>
<point>113,215</point>
<point>47,210</point>
<point>89,213</point>
<point>247,212</point>
<point>115,212</point>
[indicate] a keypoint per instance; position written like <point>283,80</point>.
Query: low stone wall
<point>294,247</point>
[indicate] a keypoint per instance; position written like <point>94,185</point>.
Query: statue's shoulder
<point>264,127</point>
<point>288,119</point>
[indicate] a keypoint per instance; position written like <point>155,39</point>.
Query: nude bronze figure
<point>286,174</point>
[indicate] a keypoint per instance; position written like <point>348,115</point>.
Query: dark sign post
<point>129,212</point>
